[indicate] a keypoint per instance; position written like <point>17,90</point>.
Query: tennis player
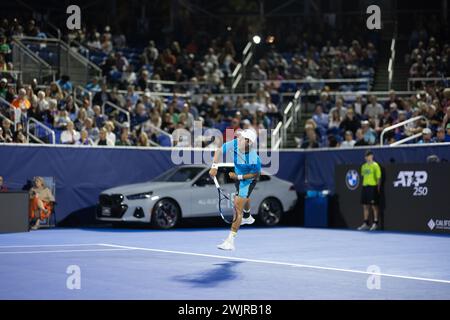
<point>247,168</point>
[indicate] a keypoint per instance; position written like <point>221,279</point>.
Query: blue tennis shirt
<point>243,162</point>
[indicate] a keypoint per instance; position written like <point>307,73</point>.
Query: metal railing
<point>62,58</point>
<point>121,110</point>
<point>79,91</point>
<point>240,71</point>
<point>13,75</point>
<point>401,124</point>
<point>12,111</point>
<point>29,64</point>
<point>312,81</point>
<point>291,117</point>
<point>391,64</point>
<point>160,131</point>
<point>176,86</point>
<point>277,136</point>
<point>445,80</point>
<point>35,124</point>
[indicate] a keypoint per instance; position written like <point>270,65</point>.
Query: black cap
<point>369,153</point>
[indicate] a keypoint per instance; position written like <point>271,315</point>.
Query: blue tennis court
<point>268,263</point>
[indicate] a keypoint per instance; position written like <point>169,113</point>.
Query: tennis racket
<point>226,204</point>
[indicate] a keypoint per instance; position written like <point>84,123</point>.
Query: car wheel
<point>166,214</point>
<point>270,212</point>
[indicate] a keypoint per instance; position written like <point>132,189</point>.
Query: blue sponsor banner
<point>81,173</point>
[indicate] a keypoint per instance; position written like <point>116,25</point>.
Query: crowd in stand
<point>199,61</point>
<point>151,116</point>
<point>360,123</point>
<point>330,61</point>
<point>90,120</point>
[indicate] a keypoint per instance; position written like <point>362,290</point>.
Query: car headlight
<point>139,196</point>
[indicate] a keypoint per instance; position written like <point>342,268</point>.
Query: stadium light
<point>256,39</point>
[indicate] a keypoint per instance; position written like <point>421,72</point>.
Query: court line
<point>64,251</point>
<point>278,263</point>
<point>51,245</point>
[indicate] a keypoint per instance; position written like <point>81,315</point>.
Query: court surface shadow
<point>221,272</point>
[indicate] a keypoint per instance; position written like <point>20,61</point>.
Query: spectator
<point>62,119</point>
<point>440,135</point>
<point>350,123</point>
<point>320,118</point>
<point>101,96</point>
<point>373,109</point>
<point>124,139</point>
<point>70,135</point>
<point>335,120</point>
<point>360,139</point>
<point>348,140</point>
<point>427,136</point>
<point>65,84</point>
<point>103,139</point>
<point>339,107</point>
<point>447,133</point>
<point>99,118</point>
<point>92,131</point>
<point>3,187</point>
<point>109,126</point>
<point>311,139</point>
<point>84,139</point>
<point>21,102</point>
<point>3,88</point>
<point>8,131</point>
<point>41,202</point>
<point>358,105</point>
<point>368,133</point>
<point>143,140</point>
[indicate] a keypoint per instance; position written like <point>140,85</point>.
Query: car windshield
<point>179,174</point>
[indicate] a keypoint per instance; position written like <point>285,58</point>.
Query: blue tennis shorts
<point>245,187</point>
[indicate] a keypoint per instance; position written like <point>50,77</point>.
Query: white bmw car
<point>188,191</point>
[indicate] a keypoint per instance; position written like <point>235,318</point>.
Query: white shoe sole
<point>225,248</point>
<point>248,221</point>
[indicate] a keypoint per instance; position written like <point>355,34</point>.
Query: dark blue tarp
<point>82,173</point>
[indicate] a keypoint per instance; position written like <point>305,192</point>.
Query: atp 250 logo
<point>413,179</point>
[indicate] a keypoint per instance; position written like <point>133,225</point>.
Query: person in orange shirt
<point>22,102</point>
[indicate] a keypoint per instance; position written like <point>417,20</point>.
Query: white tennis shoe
<point>228,244</point>
<point>249,220</point>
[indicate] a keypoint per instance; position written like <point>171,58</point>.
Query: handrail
<point>276,139</point>
<point>159,130</point>
<point>119,109</point>
<point>399,142</point>
<point>391,64</point>
<point>31,54</point>
<point>12,110</point>
<point>392,58</point>
<point>247,48</point>
<point>66,47</point>
<point>314,80</point>
<point>293,108</point>
<point>46,128</point>
<point>401,124</point>
<point>7,119</point>
<point>248,83</point>
<point>80,57</point>
<point>424,79</point>
<point>83,90</point>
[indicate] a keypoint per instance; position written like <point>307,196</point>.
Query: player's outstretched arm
<point>217,155</point>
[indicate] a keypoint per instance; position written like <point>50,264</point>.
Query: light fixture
<point>256,39</point>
